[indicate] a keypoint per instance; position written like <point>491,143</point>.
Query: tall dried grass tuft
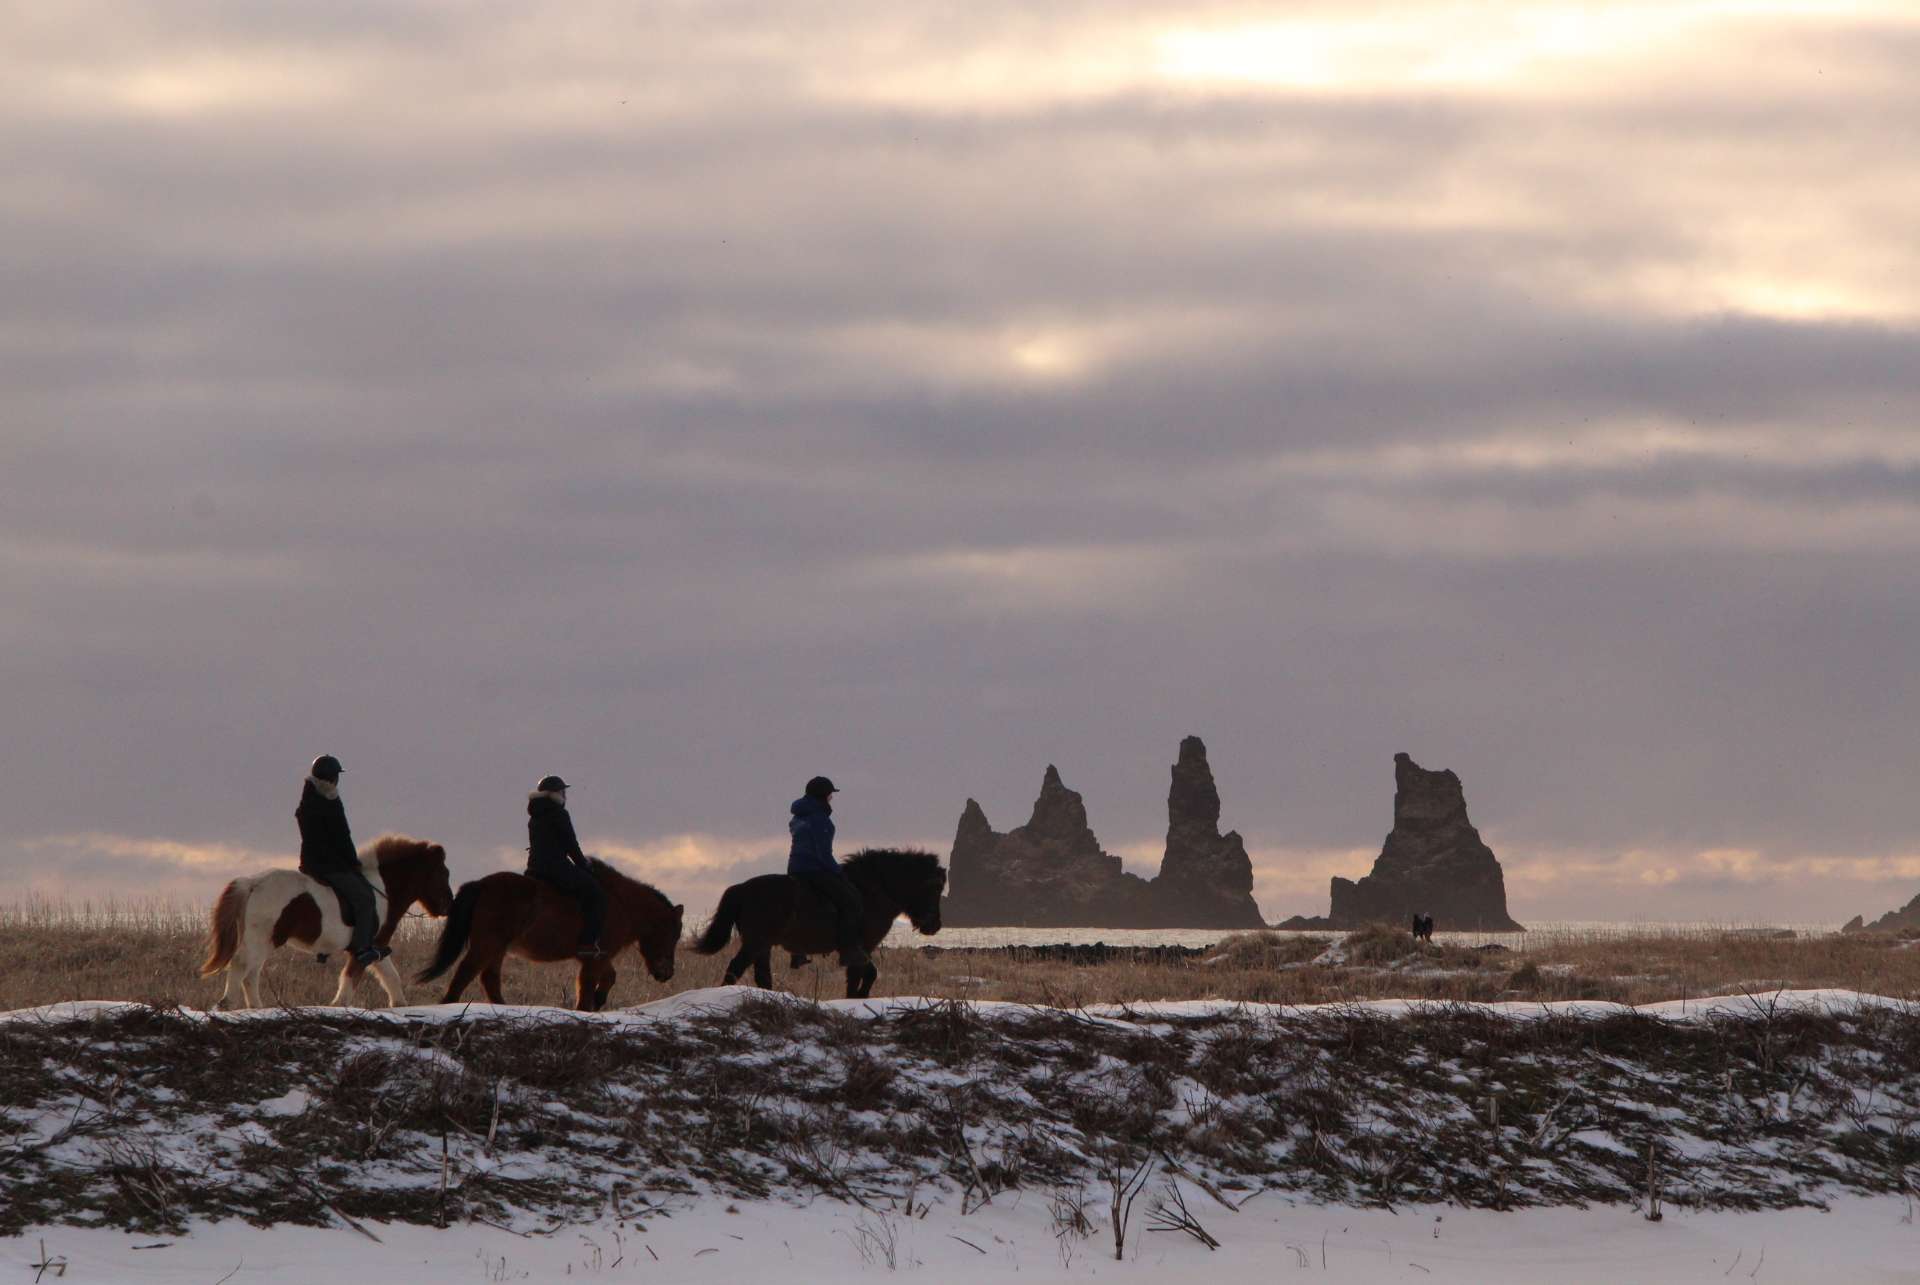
<point>149,951</point>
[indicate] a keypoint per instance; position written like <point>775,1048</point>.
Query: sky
<point>690,398</point>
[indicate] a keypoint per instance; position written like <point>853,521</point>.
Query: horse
<point>257,914</point>
<point>509,913</point>
<point>776,910</point>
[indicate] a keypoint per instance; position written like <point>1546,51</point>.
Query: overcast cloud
<point>689,398</point>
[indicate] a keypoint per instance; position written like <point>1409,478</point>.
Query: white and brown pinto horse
<point>257,915</point>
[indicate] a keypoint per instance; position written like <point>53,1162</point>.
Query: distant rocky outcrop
<point>1206,878</point>
<point>1433,863</point>
<point>1904,920</point>
<point>1053,873</point>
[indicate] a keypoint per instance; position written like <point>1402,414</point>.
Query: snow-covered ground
<point>1782,1121</point>
<point>1860,1241</point>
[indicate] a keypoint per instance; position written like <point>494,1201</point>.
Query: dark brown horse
<point>774,910</point>
<point>258,914</point>
<point>516,914</point>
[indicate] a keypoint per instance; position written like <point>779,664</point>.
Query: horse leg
<point>582,987</point>
<point>463,976</point>
<point>349,976</point>
<point>389,978</point>
<point>763,969</point>
<point>605,988</point>
<point>867,978</point>
<point>232,987</point>
<point>490,982</point>
<point>250,982</point>
<point>737,965</point>
<point>591,984</point>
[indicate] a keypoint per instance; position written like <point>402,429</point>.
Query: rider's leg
<point>585,890</point>
<point>848,912</point>
<point>843,903</point>
<point>593,910</point>
<point>358,894</point>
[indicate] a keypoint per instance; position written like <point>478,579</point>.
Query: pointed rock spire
<point>1207,876</point>
<point>1433,862</point>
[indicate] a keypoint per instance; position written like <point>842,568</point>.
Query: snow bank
<point>1863,1240</point>
<point>721,999</point>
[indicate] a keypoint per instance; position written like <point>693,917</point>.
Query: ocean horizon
<point>1538,933</point>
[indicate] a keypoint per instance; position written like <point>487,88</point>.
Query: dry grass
<point>148,1119</point>
<point>150,952</point>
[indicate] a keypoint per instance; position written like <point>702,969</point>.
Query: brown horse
<point>774,910</point>
<point>258,914</point>
<point>516,914</point>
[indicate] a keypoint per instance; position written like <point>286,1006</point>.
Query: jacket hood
<point>806,805</point>
<point>538,802</point>
<point>325,789</point>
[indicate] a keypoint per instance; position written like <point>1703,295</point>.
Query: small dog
<point>1423,928</point>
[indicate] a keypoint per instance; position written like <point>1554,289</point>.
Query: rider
<point>327,854</point>
<point>811,862</point>
<point>554,858</point>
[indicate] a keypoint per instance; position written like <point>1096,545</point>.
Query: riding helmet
<point>550,785</point>
<point>326,768</point>
<point>820,787</point>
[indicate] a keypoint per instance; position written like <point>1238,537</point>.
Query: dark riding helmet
<point>326,768</point>
<point>820,787</point>
<point>550,785</point>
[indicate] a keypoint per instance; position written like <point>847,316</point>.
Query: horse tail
<point>223,929</point>
<point>725,915</point>
<point>454,933</point>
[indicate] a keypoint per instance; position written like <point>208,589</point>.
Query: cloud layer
<point>695,398</point>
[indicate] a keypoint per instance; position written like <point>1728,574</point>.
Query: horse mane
<point>389,848</point>
<point>872,861</point>
<point>626,885</point>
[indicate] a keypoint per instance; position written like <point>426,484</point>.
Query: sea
<point>1540,934</point>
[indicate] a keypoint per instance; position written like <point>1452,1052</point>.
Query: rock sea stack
<point>1053,873</point>
<point>1433,863</point>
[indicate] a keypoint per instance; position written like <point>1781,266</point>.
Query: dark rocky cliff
<point>1905,920</point>
<point>1052,872</point>
<point>1433,863</point>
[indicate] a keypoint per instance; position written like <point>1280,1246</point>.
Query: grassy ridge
<point>150,953</point>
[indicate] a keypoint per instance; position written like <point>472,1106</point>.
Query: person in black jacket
<point>327,853</point>
<point>554,857</point>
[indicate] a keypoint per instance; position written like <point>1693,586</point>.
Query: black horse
<point>774,910</point>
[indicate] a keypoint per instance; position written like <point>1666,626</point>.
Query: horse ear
<point>435,850</point>
<point>679,909</point>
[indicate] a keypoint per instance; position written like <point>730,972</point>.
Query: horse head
<point>915,881</point>
<point>415,870</point>
<point>660,937</point>
<point>436,894</point>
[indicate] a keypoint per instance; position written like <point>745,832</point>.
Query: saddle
<point>815,910</point>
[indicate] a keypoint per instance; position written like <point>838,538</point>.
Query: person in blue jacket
<point>811,862</point>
